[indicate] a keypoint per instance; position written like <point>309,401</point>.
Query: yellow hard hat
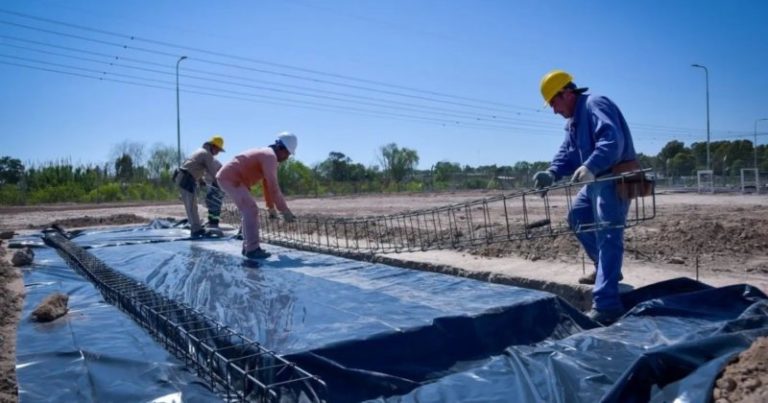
<point>553,82</point>
<point>217,141</point>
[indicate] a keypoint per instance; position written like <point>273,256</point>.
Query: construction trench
<point>327,319</point>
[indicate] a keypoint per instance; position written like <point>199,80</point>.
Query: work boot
<point>605,317</point>
<point>197,234</point>
<point>590,278</point>
<point>257,253</point>
<point>214,233</point>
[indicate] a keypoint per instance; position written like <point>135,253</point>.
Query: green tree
<point>699,152</point>
<point>295,177</point>
<point>668,152</point>
<point>445,170</point>
<point>683,164</point>
<point>358,172</point>
<point>124,168</point>
<point>11,171</point>
<point>522,168</point>
<point>762,157</point>
<point>90,177</point>
<point>398,162</point>
<point>336,167</point>
<point>671,149</point>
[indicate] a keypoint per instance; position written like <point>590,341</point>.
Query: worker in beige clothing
<point>258,165</point>
<point>201,163</point>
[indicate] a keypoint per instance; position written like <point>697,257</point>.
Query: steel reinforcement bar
<point>236,367</point>
<point>504,217</point>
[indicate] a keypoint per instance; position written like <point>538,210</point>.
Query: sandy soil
<point>11,299</point>
<point>722,237</point>
<point>746,379</point>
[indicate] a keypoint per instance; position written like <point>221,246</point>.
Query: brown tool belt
<point>630,186</point>
<point>186,181</point>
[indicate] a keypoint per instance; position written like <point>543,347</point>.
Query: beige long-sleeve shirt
<point>201,163</point>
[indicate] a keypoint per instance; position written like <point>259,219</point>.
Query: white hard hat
<point>288,140</point>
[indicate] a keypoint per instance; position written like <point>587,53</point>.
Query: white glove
<point>288,216</point>
<point>272,214</point>
<point>583,174</point>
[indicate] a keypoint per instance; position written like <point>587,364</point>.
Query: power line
<point>273,101</point>
<point>248,97</point>
<point>259,61</point>
<point>258,70</point>
<point>376,101</point>
<point>375,104</point>
<point>447,112</point>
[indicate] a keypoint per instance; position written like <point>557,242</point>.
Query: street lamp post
<point>178,118</point>
<point>755,143</point>
<point>706,76</point>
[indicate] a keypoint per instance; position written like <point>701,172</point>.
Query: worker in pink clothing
<point>247,169</point>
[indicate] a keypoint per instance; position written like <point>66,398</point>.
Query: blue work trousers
<point>598,217</point>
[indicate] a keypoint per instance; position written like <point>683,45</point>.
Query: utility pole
<point>178,116</point>
<point>755,144</point>
<point>706,76</point>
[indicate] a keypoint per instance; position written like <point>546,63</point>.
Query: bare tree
<point>130,148</point>
<point>162,158</point>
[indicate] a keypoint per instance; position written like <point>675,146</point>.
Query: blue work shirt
<point>597,136</point>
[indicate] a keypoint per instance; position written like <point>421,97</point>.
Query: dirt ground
<point>11,298</point>
<point>722,234</point>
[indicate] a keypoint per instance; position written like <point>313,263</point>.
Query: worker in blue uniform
<point>597,143</point>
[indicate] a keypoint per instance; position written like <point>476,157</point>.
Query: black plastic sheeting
<point>298,301</point>
<point>664,349</point>
<point>95,353</point>
<point>376,332</point>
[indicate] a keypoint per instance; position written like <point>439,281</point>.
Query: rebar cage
<point>505,217</point>
<point>234,366</point>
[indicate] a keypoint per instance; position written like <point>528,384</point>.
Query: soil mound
<point>746,378</point>
<point>89,221</point>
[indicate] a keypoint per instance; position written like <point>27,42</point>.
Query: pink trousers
<point>248,210</point>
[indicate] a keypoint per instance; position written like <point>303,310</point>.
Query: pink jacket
<point>253,166</point>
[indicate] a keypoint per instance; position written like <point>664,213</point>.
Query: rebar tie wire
<point>522,215</point>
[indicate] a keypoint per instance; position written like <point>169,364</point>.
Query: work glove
<point>272,214</point>
<point>543,179</point>
<point>288,216</point>
<point>583,174</point>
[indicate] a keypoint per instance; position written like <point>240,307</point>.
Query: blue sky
<point>455,80</point>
